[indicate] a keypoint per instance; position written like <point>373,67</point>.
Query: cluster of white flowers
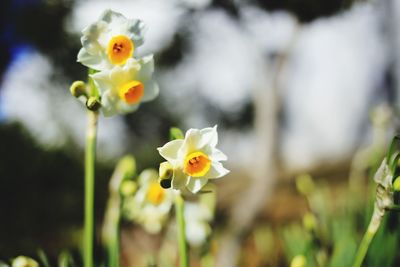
<point>108,48</point>
<point>121,82</point>
<point>190,163</point>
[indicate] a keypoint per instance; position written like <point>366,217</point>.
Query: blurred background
<point>295,87</point>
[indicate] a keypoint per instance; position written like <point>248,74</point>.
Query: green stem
<point>368,236</point>
<point>90,156</point>
<point>183,249</point>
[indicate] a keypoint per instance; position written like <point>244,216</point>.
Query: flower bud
<point>22,261</point>
<point>127,165</point>
<point>78,88</point>
<point>128,188</point>
<point>165,172</point>
<point>175,133</point>
<point>93,103</point>
<point>309,222</point>
<point>305,184</point>
<point>298,261</point>
<point>396,184</point>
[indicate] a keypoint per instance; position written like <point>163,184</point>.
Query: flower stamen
<point>119,49</point>
<point>197,164</point>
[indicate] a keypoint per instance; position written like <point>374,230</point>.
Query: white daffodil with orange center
<point>151,204</point>
<point>123,88</point>
<point>194,159</point>
<point>110,41</point>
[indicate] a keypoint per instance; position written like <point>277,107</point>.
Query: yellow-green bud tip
<point>396,184</point>
<point>298,261</point>
<point>175,133</point>
<point>309,221</point>
<point>128,188</point>
<point>22,261</point>
<point>93,103</point>
<point>127,165</point>
<point>305,184</point>
<point>78,88</point>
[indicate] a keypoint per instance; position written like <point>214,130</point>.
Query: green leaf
<point>394,147</point>
<point>43,258</point>
<point>175,133</point>
<point>65,259</point>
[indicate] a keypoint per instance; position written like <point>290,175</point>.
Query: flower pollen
<point>119,49</point>
<point>131,92</point>
<point>155,194</point>
<point>197,164</point>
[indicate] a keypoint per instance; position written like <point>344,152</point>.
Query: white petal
<point>216,171</point>
<point>136,30</point>
<point>132,66</point>
<point>109,16</point>
<point>170,150</point>
<point>179,179</point>
<point>147,68</point>
<point>119,76</point>
<point>118,24</point>
<point>197,232</point>
<point>195,184</point>
<point>102,81</point>
<point>217,155</point>
<point>151,91</point>
<point>190,142</point>
<point>209,136</point>
<point>112,104</point>
<point>90,37</point>
<point>108,105</point>
<point>203,140</point>
<point>96,62</point>
<point>124,108</point>
<point>153,226</point>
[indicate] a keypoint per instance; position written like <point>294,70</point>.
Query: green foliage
<point>175,133</point>
<point>393,155</point>
<point>382,251</point>
<point>338,231</point>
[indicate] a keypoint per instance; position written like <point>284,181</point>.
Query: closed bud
<point>175,133</point>
<point>165,173</point>
<point>299,261</point>
<point>22,261</point>
<point>78,88</point>
<point>309,221</point>
<point>127,165</point>
<point>128,188</point>
<point>305,184</point>
<point>93,103</point>
<point>396,184</point>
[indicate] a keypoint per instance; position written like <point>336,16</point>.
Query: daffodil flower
<point>197,219</point>
<point>194,159</point>
<point>151,204</point>
<point>198,216</point>
<point>123,88</point>
<point>110,41</point>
